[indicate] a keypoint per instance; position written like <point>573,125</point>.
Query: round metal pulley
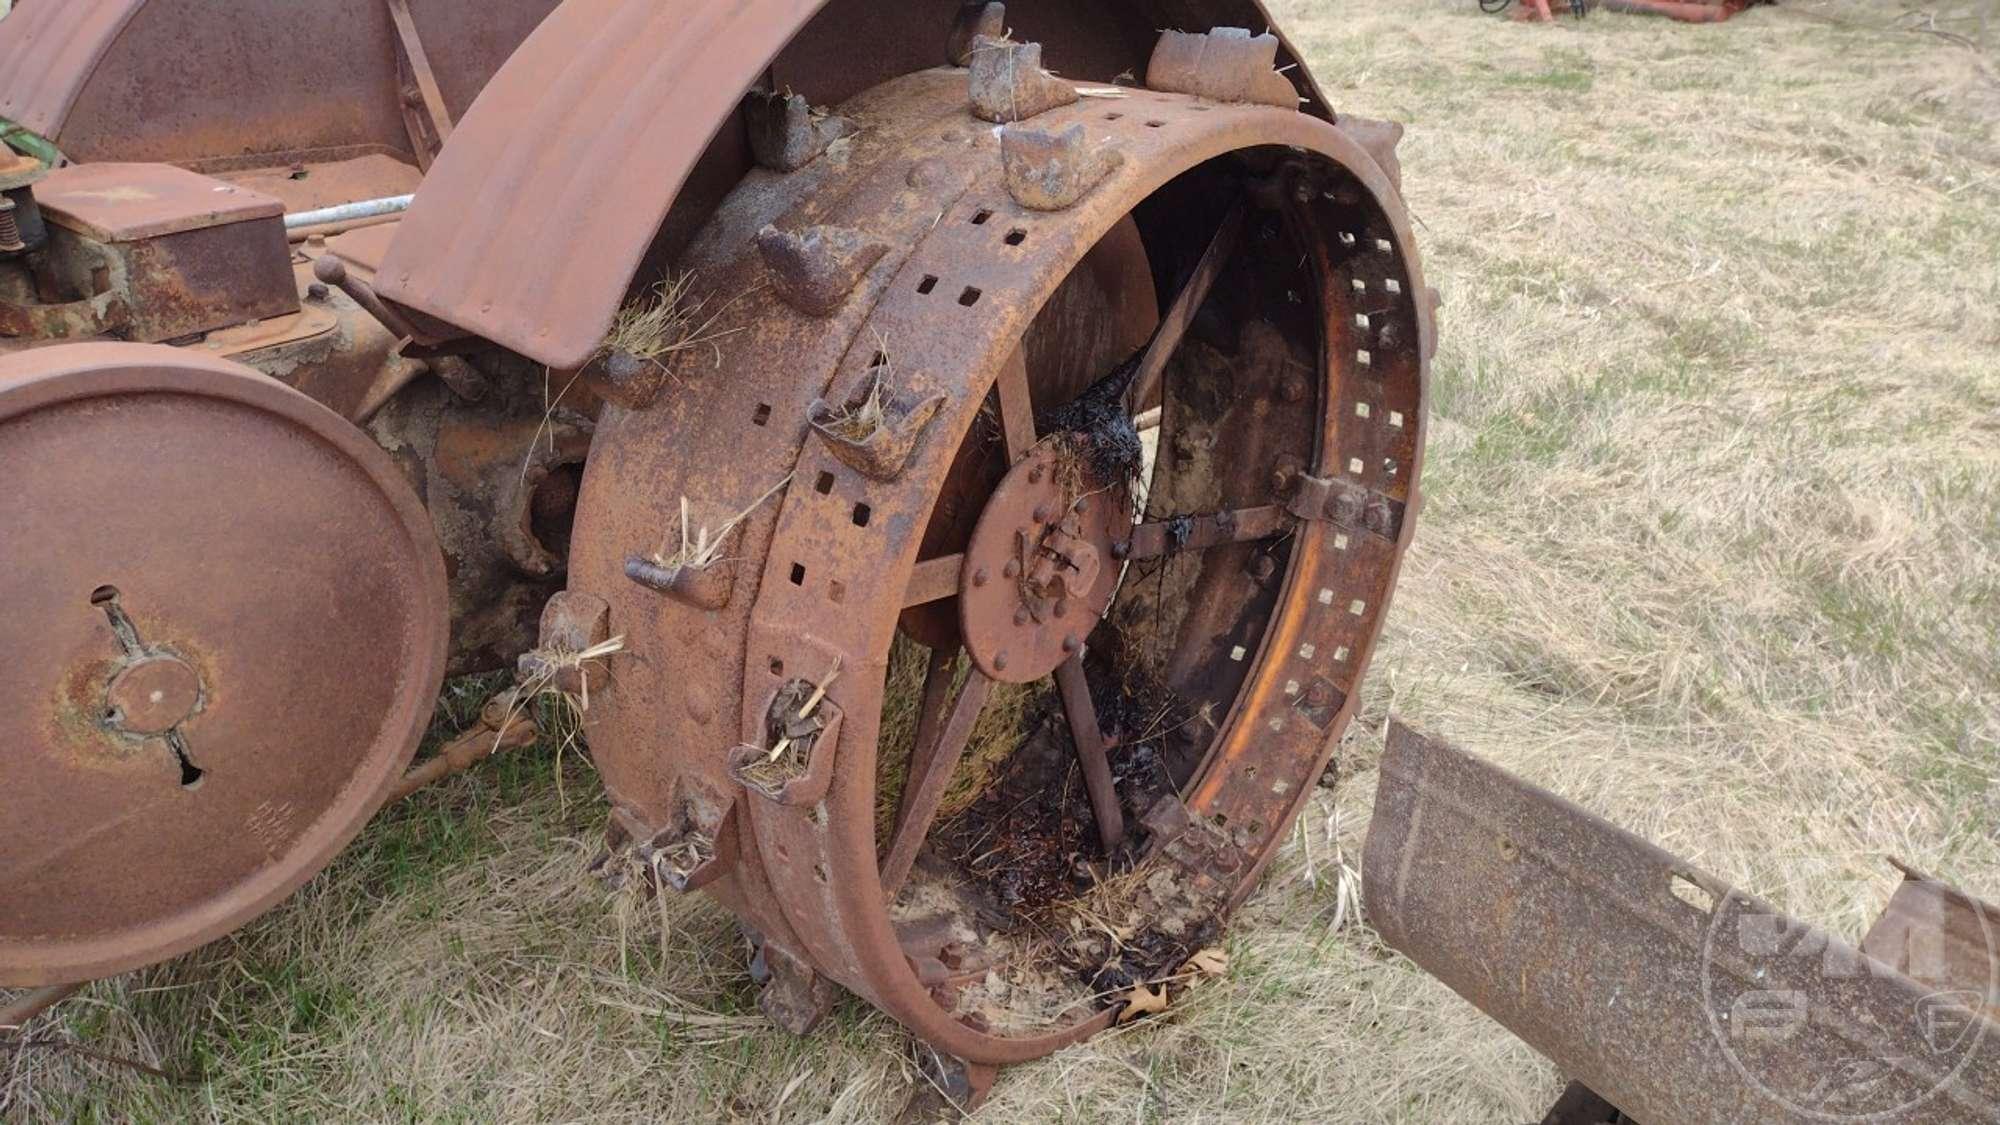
<point>224,636</point>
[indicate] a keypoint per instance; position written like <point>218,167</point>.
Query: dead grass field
<point>1712,546</point>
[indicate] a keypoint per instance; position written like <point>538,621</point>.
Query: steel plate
<point>224,636</point>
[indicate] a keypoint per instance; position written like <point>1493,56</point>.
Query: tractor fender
<point>553,189</point>
<point>196,82</point>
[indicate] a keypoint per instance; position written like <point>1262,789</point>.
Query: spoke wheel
<point>987,657</point>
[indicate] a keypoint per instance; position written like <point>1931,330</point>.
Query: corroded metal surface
<point>717,695</point>
<point>1676,997</point>
<point>193,80</point>
<point>224,636</point>
<point>572,128</point>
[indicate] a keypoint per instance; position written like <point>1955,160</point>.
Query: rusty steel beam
<point>1675,996</point>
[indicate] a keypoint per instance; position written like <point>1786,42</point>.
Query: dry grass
<point>1712,546</point>
<point>669,325</point>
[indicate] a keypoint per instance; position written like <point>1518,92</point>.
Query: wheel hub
<point>1038,571</point>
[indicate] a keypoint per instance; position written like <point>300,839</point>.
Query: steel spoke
<point>934,580</point>
<point>1173,327</point>
<point>1159,538</point>
<point>1017,408</point>
<point>922,795</point>
<point>931,712</point>
<point>1089,738</point>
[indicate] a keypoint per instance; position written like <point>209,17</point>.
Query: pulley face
<point>841,457</point>
<point>224,637</point>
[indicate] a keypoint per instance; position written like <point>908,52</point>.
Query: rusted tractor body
<point>280,468</point>
<point>957,460</point>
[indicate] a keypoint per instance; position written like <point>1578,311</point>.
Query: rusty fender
<point>1570,933</point>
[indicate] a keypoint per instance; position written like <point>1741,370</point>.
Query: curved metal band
<point>959,293</point>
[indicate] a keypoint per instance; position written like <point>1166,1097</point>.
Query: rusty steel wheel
<point>921,428</point>
<point>225,627</point>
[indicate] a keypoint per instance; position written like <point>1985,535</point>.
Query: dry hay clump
<point>670,325</point>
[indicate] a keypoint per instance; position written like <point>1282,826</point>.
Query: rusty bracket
<point>696,848</point>
<point>1347,505</point>
<point>1050,170</point>
<point>703,587</point>
<point>815,269</point>
<point>793,764</point>
<point>1672,994</point>
<point>1227,64</point>
<point>1008,83</point>
<point>795,997</point>
<point>787,133</point>
<point>425,114</point>
<point>875,430</point>
<point>975,18</point>
<point>572,623</point>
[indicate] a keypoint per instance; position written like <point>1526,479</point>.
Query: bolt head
<point>1082,504</point>
<point>1043,513</point>
<point>1062,607</point>
<point>1121,550</point>
<point>1011,570</point>
<point>1071,644</point>
<point>1022,616</point>
<point>999,662</point>
<point>980,577</point>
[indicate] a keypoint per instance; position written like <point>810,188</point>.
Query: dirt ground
<point>1712,546</point>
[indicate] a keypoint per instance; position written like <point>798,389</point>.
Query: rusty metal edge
<point>558,178</point>
<point>1564,929</point>
<point>48,51</point>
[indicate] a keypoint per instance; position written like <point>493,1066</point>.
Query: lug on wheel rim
<point>940,694</point>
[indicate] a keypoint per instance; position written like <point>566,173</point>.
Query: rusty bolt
<point>1022,616</point>
<point>1293,389</point>
<point>1000,662</point>
<point>1071,644</point>
<point>980,577</point>
<point>318,291</point>
<point>1043,513</point>
<point>1011,570</point>
<point>1121,550</point>
<point>1320,694</point>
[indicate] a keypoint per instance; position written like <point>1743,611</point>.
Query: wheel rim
<point>819,578</point>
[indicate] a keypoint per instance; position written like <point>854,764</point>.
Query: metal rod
<point>348,212</point>
<point>35,1003</point>
<point>1089,738</point>
<point>941,757</point>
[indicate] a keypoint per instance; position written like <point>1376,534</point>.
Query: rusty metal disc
<point>1039,571</point>
<point>224,636</point>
